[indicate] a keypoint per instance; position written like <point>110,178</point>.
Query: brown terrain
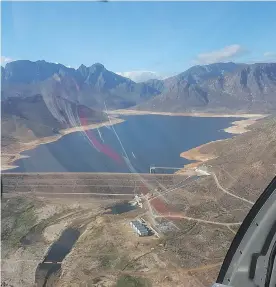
<point>12,148</point>
<point>73,229</point>
<point>194,217</point>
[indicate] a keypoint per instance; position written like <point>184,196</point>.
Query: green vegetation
<point>106,261</point>
<point>130,281</point>
<point>17,224</point>
<point>20,224</point>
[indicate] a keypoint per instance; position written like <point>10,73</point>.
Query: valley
<point>76,155</point>
<point>133,144</point>
<point>76,173</point>
<point>105,239</point>
<point>138,143</point>
<point>196,217</point>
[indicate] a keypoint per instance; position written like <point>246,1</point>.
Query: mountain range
<point>215,87</point>
<point>38,99</point>
<point>41,100</point>
<point>218,87</point>
<point>93,86</point>
<point>45,97</point>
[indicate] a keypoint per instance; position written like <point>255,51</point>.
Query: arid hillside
<point>195,218</point>
<point>246,163</point>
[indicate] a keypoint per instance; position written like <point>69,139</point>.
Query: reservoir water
<point>132,146</point>
<point>121,207</point>
<point>57,252</point>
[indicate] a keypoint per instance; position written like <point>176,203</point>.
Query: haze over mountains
<point>214,87</point>
<point>92,86</point>
<point>218,87</point>
<point>45,97</point>
<point>40,98</point>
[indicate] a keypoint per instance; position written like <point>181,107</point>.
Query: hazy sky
<point>160,37</point>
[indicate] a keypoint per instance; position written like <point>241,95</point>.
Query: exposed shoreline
<point>194,154</point>
<point>14,152</point>
<point>240,127</point>
<point>188,114</point>
<point>8,158</point>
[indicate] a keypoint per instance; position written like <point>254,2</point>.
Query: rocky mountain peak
<point>97,66</point>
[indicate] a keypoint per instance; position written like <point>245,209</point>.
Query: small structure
<point>153,169</point>
<point>136,201</point>
<point>202,170</point>
<point>139,228</point>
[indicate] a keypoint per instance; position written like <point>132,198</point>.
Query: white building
<point>139,228</point>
